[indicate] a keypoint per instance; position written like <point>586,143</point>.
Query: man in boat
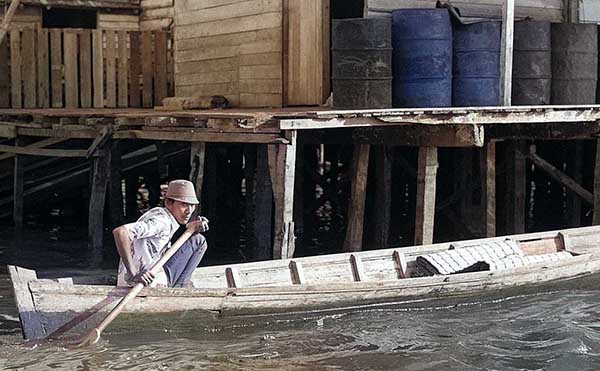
<point>142,243</point>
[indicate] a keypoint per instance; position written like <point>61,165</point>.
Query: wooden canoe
<point>51,306</point>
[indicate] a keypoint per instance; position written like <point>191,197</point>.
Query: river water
<point>555,328</point>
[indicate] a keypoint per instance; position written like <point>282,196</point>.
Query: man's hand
<point>199,225</point>
<point>144,277</point>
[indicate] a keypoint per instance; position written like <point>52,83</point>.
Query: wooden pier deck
<point>279,130</point>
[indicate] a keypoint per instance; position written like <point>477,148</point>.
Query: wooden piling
<point>427,165</point>
<point>487,163</point>
<point>115,192</point>
<point>18,187</point>
<point>197,158</point>
<point>379,213</point>
<point>575,162</point>
<point>282,166</point>
<point>263,190</point>
<point>100,178</point>
<point>356,206</point>
<point>596,218</point>
<point>516,186</point>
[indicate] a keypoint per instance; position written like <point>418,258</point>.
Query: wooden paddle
<point>94,335</point>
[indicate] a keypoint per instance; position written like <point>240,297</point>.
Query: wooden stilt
<point>378,221</point>
<point>356,206</point>
<point>18,185</point>
<point>197,158</point>
<point>488,188</point>
<point>100,177</point>
<point>427,165</point>
<point>282,165</point>
<point>573,202</point>
<point>299,193</point>
<point>516,186</point>
<point>263,215</point>
<point>596,218</point>
<point>250,199</point>
<point>115,192</point>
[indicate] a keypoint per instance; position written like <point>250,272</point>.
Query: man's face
<point>181,211</point>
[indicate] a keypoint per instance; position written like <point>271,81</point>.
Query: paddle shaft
<point>139,286</point>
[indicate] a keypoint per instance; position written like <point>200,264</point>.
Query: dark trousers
<point>180,267</point>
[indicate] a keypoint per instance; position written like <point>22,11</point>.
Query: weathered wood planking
<point>98,67</point>
<point>116,22</point>
<point>110,55</point>
<point>43,69</point>
<point>4,74</point>
<point>85,68</point>
<point>306,52</point>
<point>230,48</point>
<point>160,66</point>
<point>147,69</point>
<point>29,71</point>
<point>15,69</point>
<point>134,71</point>
<point>123,70</point>
<point>71,80</point>
<point>548,10</point>
<point>56,68</point>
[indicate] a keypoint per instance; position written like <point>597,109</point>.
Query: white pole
<point>506,52</point>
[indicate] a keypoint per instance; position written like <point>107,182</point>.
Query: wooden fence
<point>74,68</point>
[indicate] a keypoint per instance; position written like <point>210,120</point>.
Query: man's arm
<point>125,250</point>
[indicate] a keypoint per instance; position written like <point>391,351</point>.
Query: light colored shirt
<point>151,236</point>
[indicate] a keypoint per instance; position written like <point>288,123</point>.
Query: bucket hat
<point>182,190</point>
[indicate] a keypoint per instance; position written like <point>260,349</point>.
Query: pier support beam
<point>379,210</point>
<point>282,166</point>
<point>516,186</point>
<point>596,218</point>
<point>100,178</point>
<point>358,193</point>
<point>263,205</point>
<point>18,186</point>
<point>487,163</point>
<point>197,159</point>
<point>427,165</point>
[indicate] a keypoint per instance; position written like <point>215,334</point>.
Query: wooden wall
<point>27,17</point>
<point>550,10</point>
<point>156,14</point>
<point>110,21</point>
<point>257,53</point>
<point>76,68</point>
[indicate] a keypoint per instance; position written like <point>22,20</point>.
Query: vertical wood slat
<point>4,74</point>
<point>356,205</point>
<point>111,75</point>
<point>147,69</point>
<point>29,68</point>
<point>98,67</point>
<point>56,68</point>
<point>134,70</point>
<point>71,79</point>
<point>427,165</point>
<point>160,67</point>
<point>85,68</point>
<point>488,188</point>
<point>43,69</point>
<point>123,70</point>
<point>15,69</point>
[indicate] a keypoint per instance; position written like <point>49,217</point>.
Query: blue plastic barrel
<point>477,64</point>
<point>422,59</point>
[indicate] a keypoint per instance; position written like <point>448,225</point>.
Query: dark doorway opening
<point>347,9</point>
<point>69,18</point>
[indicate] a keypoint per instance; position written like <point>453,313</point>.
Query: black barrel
<point>422,42</point>
<point>361,61</point>
<point>532,63</point>
<point>574,63</point>
<point>476,64</point>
